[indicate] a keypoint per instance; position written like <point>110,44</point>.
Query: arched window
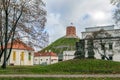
<point>22,56</point>
<point>29,56</point>
<point>14,55</point>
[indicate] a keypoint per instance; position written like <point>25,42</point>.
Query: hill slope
<point>85,66</point>
<point>62,44</point>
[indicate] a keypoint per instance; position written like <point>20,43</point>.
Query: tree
<point>80,49</point>
<point>90,48</point>
<point>100,42</point>
<point>21,19</point>
<point>116,15</point>
<point>115,1</point>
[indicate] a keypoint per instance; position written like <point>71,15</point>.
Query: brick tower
<point>71,32</point>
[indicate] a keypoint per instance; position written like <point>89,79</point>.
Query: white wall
<point>45,60</point>
<point>67,55</point>
<point>115,51</point>
<point>36,60</point>
<point>111,27</point>
<point>18,60</point>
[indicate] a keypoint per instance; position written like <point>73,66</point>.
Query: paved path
<point>64,76</point>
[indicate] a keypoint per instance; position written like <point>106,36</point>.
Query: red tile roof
<point>17,44</point>
<point>45,54</point>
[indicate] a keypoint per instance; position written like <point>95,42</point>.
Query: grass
<point>62,44</point>
<point>86,66</point>
<point>59,79</point>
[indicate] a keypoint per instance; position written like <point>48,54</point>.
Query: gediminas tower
<point>71,32</point>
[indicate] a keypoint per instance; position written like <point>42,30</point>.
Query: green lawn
<point>59,79</point>
<point>61,45</point>
<point>86,66</point>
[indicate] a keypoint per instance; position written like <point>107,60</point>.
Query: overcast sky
<point>82,13</point>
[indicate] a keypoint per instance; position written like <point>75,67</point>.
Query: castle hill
<point>59,40</point>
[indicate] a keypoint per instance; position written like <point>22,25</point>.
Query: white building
<point>110,38</point>
<point>67,55</point>
<point>45,58</point>
<point>21,54</point>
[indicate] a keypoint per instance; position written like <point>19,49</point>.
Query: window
<point>110,46</point>
<point>22,56</point>
<point>41,59</point>
<point>52,60</point>
<point>29,56</point>
<point>35,59</point>
<point>102,46</point>
<point>14,55</point>
<point>46,59</point>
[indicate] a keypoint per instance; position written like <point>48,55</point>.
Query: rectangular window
<point>14,55</point>
<point>52,60</point>
<point>102,46</point>
<point>22,56</point>
<point>110,46</point>
<point>29,56</point>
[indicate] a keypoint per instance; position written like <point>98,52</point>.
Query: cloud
<point>86,16</point>
<point>54,27</point>
<point>83,13</point>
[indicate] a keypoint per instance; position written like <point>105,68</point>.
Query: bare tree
<point>116,15</point>
<point>21,19</point>
<point>100,43</point>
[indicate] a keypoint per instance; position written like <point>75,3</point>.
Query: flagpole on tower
<point>71,23</point>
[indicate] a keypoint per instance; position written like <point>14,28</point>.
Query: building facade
<point>106,41</point>
<point>45,58</point>
<point>67,55</point>
<point>21,54</point>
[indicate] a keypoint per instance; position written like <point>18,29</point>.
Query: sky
<point>82,13</point>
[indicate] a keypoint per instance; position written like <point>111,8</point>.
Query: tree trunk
<point>6,39</point>
<point>4,65</point>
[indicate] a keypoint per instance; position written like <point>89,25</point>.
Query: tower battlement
<point>71,32</point>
